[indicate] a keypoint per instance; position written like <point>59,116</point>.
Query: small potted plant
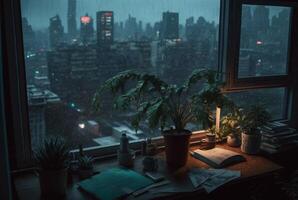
<point>230,128</point>
<point>52,159</point>
<point>254,117</point>
<point>85,167</point>
<point>167,106</point>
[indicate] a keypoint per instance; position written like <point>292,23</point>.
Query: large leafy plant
<point>165,105</point>
<point>53,154</point>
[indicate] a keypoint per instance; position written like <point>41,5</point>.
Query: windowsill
<point>100,152</point>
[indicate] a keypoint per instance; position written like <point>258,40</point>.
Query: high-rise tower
<point>105,27</point>
<point>170,25</point>
<point>71,19</point>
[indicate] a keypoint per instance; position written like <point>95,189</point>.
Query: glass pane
<point>72,47</point>
<point>264,41</point>
<point>274,99</point>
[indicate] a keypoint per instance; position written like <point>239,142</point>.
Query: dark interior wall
<point>5,189</point>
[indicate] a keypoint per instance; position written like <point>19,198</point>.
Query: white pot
<point>250,143</point>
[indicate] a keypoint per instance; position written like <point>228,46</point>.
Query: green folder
<point>114,183</point>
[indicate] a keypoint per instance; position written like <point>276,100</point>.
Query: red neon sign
<point>85,19</point>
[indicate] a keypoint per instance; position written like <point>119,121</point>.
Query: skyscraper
<point>170,25</point>
<point>87,29</point>
<point>105,27</point>
<point>29,36</point>
<point>71,19</point>
<point>56,31</point>
<point>261,19</point>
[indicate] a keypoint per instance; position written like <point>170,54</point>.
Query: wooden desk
<point>256,166</point>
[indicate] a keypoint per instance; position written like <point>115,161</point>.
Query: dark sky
<point>38,12</point>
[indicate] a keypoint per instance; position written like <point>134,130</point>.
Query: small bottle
<point>124,143</point>
<point>81,150</point>
<point>144,148</point>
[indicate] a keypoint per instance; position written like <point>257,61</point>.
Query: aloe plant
<point>53,154</point>
<point>165,105</point>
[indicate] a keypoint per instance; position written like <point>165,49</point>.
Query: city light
<point>81,125</point>
<point>259,42</point>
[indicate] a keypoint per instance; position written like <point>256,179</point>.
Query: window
<point>71,47</point>
<point>258,67</point>
<point>264,40</point>
<point>274,99</point>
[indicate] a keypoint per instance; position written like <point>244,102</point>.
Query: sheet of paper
<point>220,179</point>
<point>210,179</point>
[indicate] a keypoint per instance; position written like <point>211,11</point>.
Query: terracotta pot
<point>250,143</point>
<point>53,183</point>
<point>234,140</point>
<point>211,140</point>
<point>177,147</point>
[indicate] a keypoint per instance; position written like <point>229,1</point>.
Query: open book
<point>218,157</point>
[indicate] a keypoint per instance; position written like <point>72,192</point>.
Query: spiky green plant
<point>162,104</point>
<point>85,162</point>
<point>53,154</point>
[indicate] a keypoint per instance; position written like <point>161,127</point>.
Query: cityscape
<point>66,65</point>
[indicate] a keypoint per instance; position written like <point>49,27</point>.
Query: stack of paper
<point>211,179</point>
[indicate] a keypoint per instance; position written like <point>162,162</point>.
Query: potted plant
<point>85,167</point>
<point>253,118</point>
<point>167,106</point>
<point>230,128</point>
<point>52,159</point>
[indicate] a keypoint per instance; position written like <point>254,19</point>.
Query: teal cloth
<point>114,183</point>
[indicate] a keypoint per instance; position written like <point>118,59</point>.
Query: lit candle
<point>217,122</point>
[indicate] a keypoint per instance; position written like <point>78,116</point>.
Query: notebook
<point>218,157</point>
<point>114,183</point>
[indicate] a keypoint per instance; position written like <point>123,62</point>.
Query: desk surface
<point>255,166</point>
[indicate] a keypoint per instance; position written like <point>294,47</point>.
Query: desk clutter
<point>119,183</point>
<point>278,137</point>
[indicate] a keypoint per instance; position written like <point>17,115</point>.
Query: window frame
<point>232,35</point>
<point>16,95</point>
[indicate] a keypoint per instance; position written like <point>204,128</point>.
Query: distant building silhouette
<point>71,19</point>
<point>56,31</point>
<point>170,25</point>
